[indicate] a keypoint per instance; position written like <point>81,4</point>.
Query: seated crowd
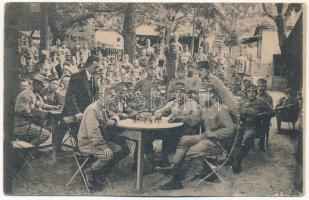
<point>168,82</point>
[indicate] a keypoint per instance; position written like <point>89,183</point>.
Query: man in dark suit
<point>81,92</point>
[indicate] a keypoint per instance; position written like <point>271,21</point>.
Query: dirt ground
<point>269,173</point>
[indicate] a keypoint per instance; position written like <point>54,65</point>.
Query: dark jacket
<point>79,94</point>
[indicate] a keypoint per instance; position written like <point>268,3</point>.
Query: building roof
<point>110,39</point>
<point>250,39</point>
<point>146,30</point>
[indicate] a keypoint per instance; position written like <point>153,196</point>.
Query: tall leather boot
<point>91,181</point>
<point>239,155</point>
<point>175,182</point>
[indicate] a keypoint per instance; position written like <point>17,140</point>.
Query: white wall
<point>270,46</point>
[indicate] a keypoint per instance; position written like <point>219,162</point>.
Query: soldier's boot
<point>239,155</point>
<point>91,181</point>
<point>167,170</point>
<point>175,182</point>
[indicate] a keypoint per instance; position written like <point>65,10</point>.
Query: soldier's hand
<point>171,119</point>
<point>111,122</point>
<point>78,116</point>
<point>108,153</point>
<point>123,116</point>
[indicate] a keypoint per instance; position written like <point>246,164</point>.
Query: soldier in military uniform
<point>181,78</point>
<point>26,102</point>
<point>265,123</point>
<point>182,109</point>
<point>245,84</point>
<point>218,131</point>
<point>251,111</point>
<point>287,109</point>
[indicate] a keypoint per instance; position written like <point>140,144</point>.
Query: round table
<point>141,129</point>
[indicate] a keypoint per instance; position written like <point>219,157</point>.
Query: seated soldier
<point>94,138</point>
<point>182,109</point>
<point>219,131</point>
<point>251,111</point>
<point>51,97</point>
<point>26,102</point>
<point>265,123</point>
<point>287,109</point>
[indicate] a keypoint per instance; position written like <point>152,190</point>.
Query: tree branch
<point>289,10</point>
<point>266,13</point>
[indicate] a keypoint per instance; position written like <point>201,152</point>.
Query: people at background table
<point>246,82</point>
<point>137,71</point>
<point>287,109</point>
<point>179,46</point>
<point>82,63</point>
<point>146,85</point>
<point>200,55</point>
<point>94,138</point>
<point>33,52</point>
<point>28,69</point>
<point>159,72</point>
<point>62,89</point>
<point>81,92</point>
<point>218,129</point>
<point>125,68</point>
<point>205,45</point>
<point>45,67</point>
<point>186,55</point>
<point>51,97</point>
<point>181,78</point>
<point>26,101</point>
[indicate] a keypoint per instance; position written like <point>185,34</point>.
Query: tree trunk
<point>279,20</point>
<point>44,26</point>
<point>128,30</point>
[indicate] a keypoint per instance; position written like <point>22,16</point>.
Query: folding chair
<point>21,143</point>
<point>19,146</point>
<point>220,159</point>
<point>80,159</point>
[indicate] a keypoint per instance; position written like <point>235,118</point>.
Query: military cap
<point>246,79</point>
<point>203,64</point>
<point>180,86</point>
<point>261,82</point>
<point>40,78</point>
<point>129,85</point>
<point>252,88</point>
<point>287,90</point>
